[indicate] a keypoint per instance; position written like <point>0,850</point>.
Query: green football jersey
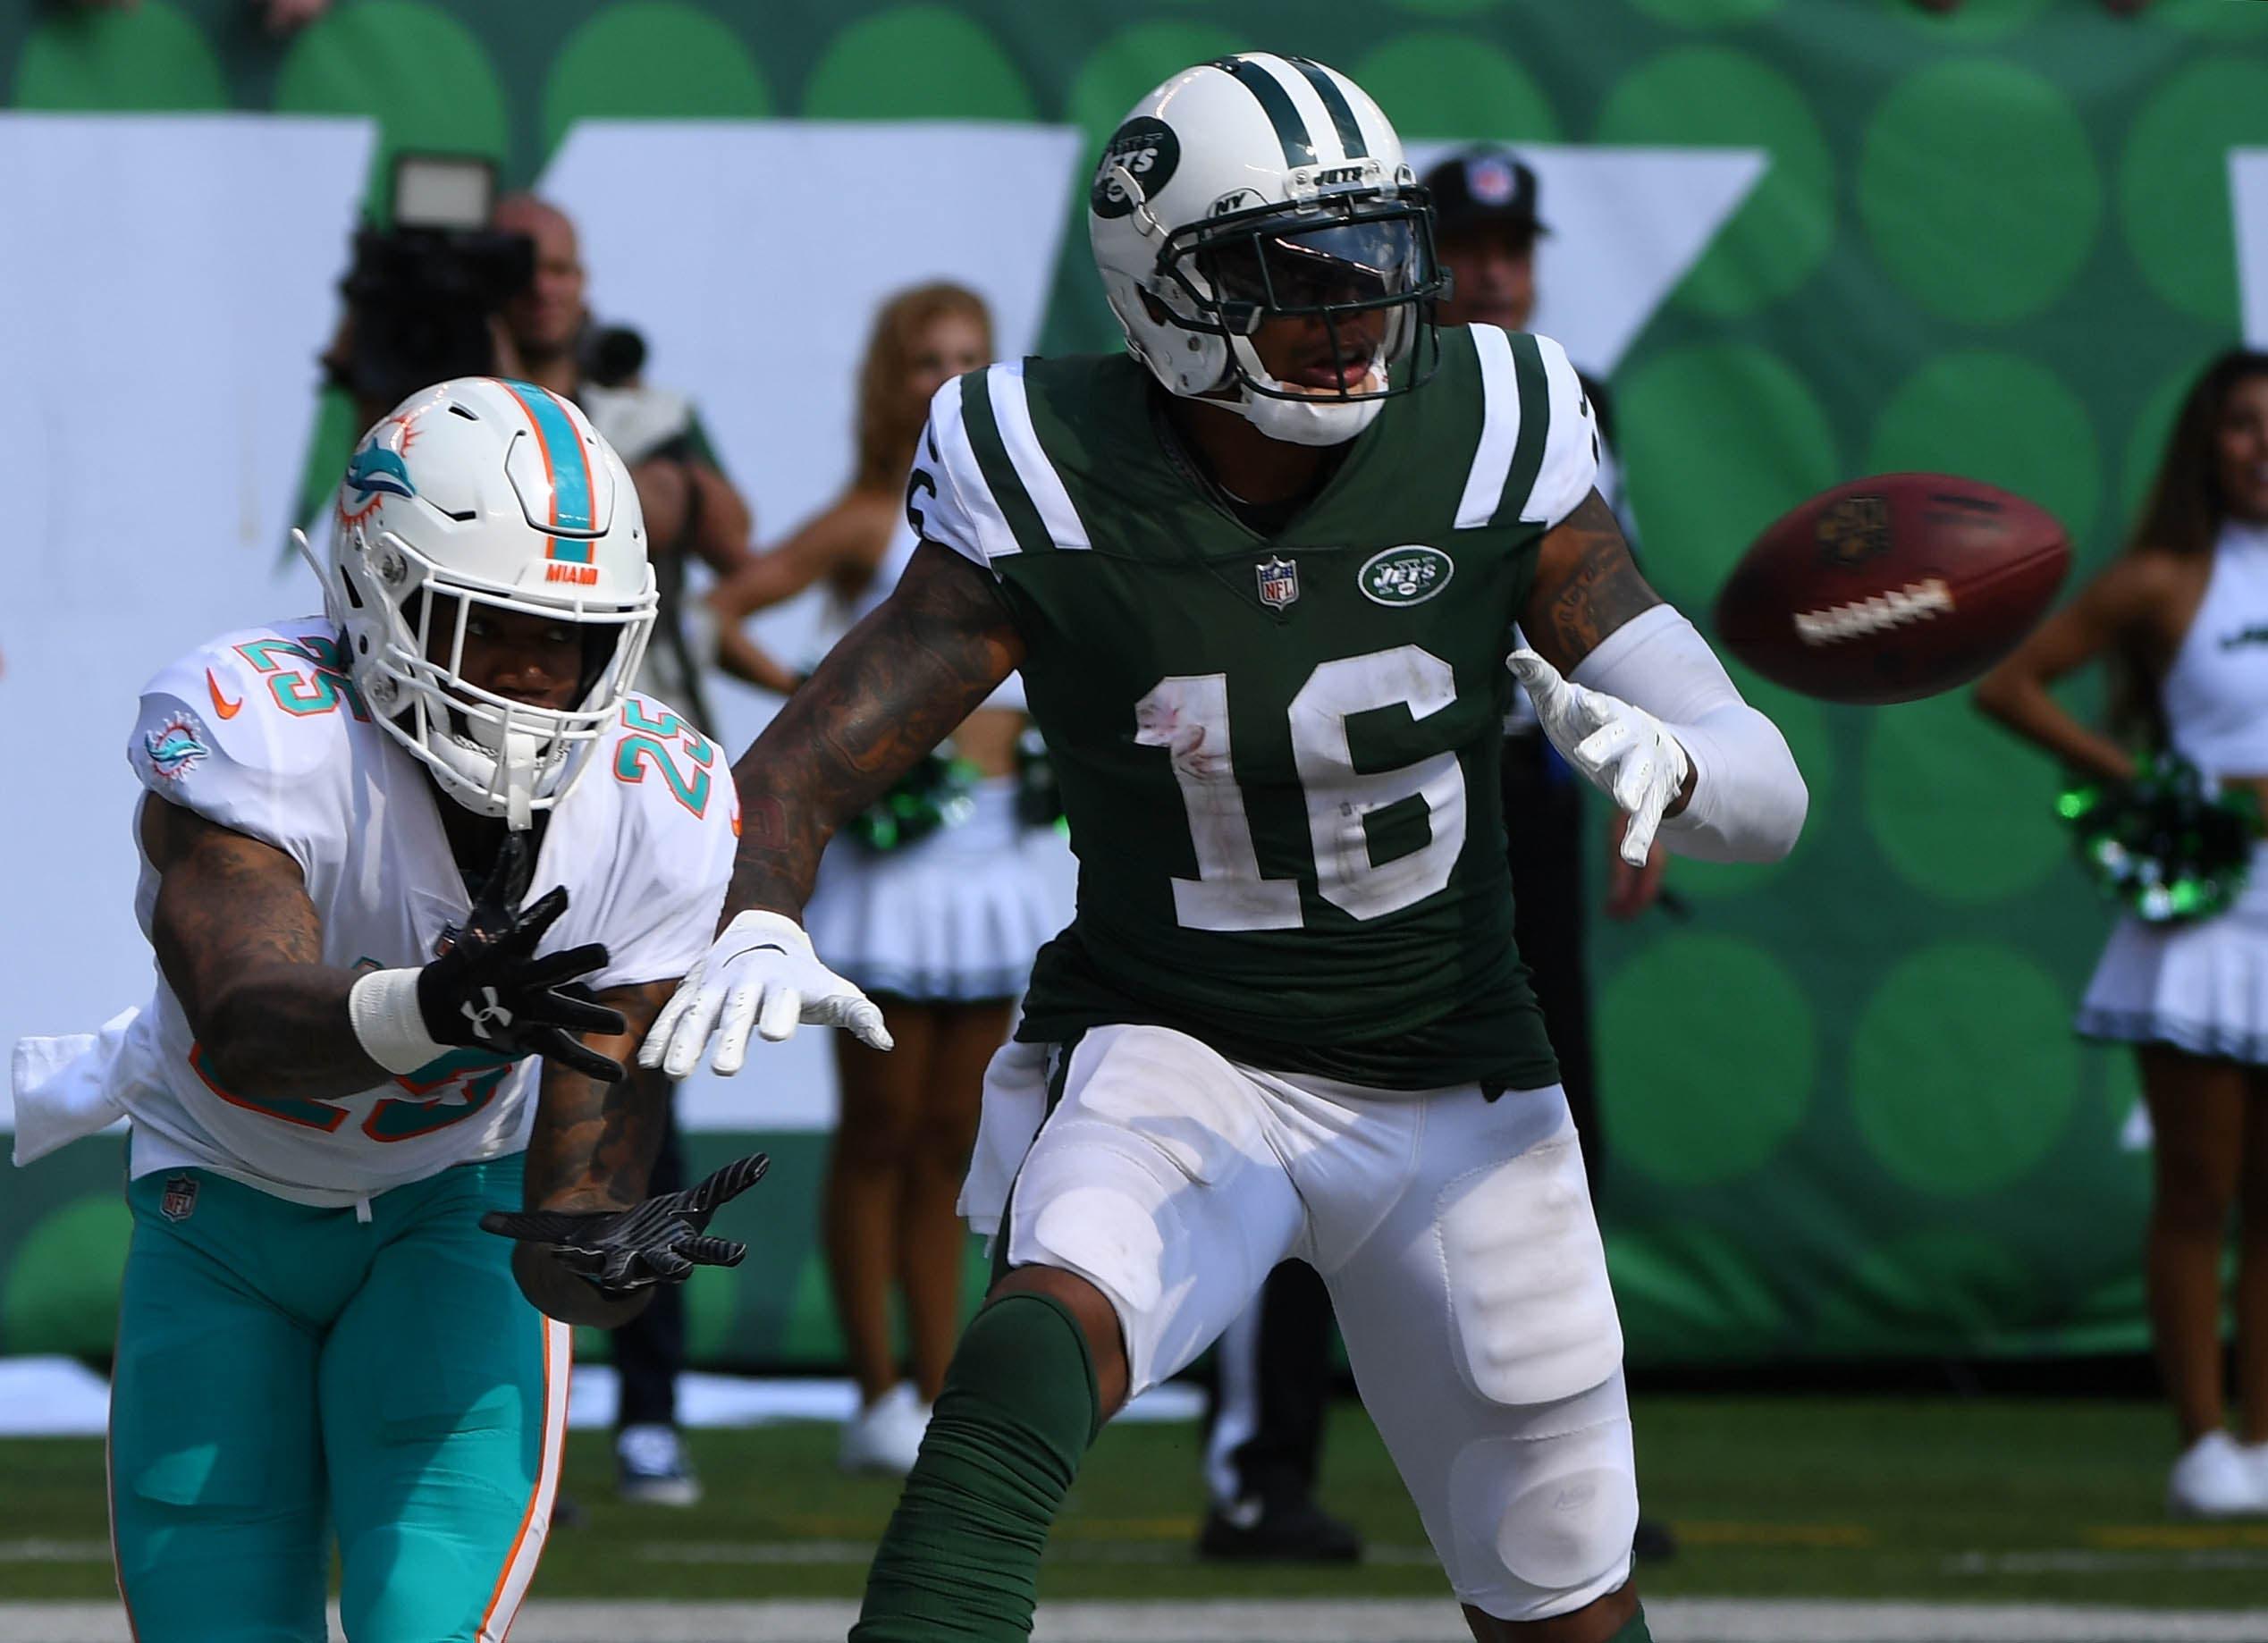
<point>1278,753</point>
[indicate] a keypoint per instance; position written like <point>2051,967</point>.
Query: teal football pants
<point>285,1374</point>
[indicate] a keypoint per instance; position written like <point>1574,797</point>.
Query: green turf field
<point>1963,1500</point>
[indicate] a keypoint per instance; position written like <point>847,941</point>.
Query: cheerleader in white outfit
<point>940,932</point>
<point>2185,610</point>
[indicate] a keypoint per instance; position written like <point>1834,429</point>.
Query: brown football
<point>1892,588</point>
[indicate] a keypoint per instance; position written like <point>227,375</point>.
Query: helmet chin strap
<point>1302,420</point>
<point>518,753</point>
<point>519,797</point>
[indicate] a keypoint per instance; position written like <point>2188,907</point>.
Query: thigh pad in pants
<point>1153,1180</point>
<point>1530,1305</point>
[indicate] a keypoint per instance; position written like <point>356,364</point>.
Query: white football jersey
<point>263,732</point>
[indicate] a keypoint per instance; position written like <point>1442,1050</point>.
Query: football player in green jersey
<point>1260,573</point>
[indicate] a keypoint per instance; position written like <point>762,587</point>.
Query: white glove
<point>1626,753</point>
<point>761,973</point>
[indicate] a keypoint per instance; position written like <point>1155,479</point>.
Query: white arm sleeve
<point>1748,798</point>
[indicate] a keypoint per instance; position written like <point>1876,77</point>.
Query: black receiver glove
<point>486,991</point>
<point>658,1241</point>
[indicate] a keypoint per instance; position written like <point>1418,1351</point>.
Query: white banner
<point>2249,205</point>
<point>752,259</point>
<point>165,285</point>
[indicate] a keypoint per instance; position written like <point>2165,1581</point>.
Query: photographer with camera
<point>692,511</point>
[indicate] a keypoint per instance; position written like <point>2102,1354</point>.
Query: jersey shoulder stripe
<point>1534,397</point>
<point>949,500</point>
<point>1007,388</point>
<point>981,419</point>
<point>1568,468</point>
<point>1499,441</point>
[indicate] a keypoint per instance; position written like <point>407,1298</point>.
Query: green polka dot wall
<point>917,62</point>
<point>1710,97</point>
<point>63,1274</point>
<point>1979,191</point>
<point>150,60</point>
<point>423,74</point>
<point>1685,1006</point>
<point>651,59</point>
<point>2173,181</point>
<point>1963,1070</point>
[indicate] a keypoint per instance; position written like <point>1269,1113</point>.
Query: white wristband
<point>383,1009</point>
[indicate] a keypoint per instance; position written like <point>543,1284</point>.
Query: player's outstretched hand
<point>487,991</point>
<point>1625,752</point>
<point>660,1240</point>
<point>761,973</point>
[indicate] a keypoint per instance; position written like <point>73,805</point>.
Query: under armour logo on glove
<point>489,990</point>
<point>490,1011</point>
<point>660,1240</point>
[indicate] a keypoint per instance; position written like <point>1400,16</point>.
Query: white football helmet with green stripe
<point>1260,187</point>
<point>474,495</point>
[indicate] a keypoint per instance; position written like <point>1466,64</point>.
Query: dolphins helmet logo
<point>175,746</point>
<point>377,469</point>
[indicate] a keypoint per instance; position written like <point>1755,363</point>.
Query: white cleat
<point>887,1434</point>
<point>652,1469</point>
<point>2215,1479</point>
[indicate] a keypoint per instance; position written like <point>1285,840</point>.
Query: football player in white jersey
<point>364,1055</point>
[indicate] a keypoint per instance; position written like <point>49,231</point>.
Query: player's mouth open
<point>1329,377</point>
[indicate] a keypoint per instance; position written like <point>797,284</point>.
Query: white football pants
<point>1455,1235</point>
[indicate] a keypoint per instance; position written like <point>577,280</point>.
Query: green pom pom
<point>2163,845</point>
<point>935,794</point>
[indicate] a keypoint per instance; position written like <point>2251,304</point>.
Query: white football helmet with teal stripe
<point>1260,188</point>
<point>482,492</point>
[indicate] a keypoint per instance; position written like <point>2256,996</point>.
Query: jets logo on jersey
<point>176,746</point>
<point>1405,575</point>
<point>1278,580</point>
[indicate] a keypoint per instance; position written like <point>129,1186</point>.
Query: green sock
<point>1633,1631</point>
<point>960,1560</point>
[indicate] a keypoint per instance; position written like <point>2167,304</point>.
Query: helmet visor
<point>1358,269</point>
<point>1309,270</point>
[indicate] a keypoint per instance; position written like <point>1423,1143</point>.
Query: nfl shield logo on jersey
<point>1278,581</point>
<point>179,1201</point>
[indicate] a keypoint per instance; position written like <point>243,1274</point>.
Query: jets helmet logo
<point>1147,150</point>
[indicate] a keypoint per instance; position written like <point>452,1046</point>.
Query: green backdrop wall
<point>1847,1115</point>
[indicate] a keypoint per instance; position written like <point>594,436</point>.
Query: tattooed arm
<point>1647,704</point>
<point>1586,587</point>
<point>593,1148</point>
<point>894,687</point>
<point>240,946</point>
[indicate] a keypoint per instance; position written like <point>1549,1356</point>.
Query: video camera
<point>421,293</point>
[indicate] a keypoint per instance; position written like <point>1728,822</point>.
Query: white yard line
<point>1688,1620</point>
